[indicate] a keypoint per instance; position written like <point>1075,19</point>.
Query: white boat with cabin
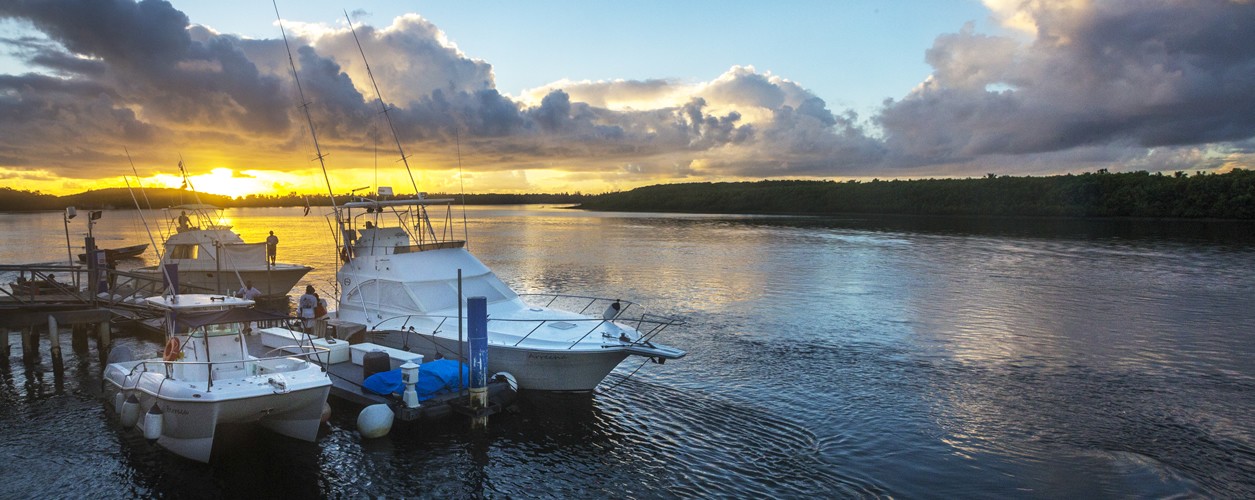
<point>207,376</point>
<point>401,280</point>
<point>212,258</point>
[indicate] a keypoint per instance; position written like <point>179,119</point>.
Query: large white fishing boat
<point>212,258</point>
<point>207,376</point>
<point>408,284</point>
<point>401,280</point>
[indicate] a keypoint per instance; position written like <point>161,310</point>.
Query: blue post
<point>477,337</point>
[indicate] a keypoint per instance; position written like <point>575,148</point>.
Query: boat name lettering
<point>545,356</point>
<point>171,409</point>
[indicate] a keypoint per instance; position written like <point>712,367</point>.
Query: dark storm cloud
<point>1121,74</point>
<point>1150,85</point>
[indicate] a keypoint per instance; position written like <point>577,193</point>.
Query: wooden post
<point>477,337</point>
<point>54,337</point>
<point>6,349</point>
<point>30,345</point>
<point>102,329</point>
<point>78,337</point>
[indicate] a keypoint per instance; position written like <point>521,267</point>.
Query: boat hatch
<point>562,325</point>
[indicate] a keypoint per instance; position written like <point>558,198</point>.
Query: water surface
<point>829,356</point>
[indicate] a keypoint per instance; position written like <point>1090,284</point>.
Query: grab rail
<point>647,326</point>
<point>252,365</point>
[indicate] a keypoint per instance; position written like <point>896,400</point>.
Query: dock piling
<point>54,337</point>
<point>477,338</point>
<point>78,338</point>
<point>30,345</point>
<point>102,331</point>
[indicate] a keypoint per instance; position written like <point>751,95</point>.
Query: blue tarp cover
<point>434,377</point>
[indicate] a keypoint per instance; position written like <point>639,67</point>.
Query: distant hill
<point>1098,194</point>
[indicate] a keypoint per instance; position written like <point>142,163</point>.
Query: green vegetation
<point>1098,194</point>
<point>12,200</point>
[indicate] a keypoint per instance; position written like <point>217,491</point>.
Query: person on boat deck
<point>248,291</point>
<point>184,221</point>
<point>305,307</point>
<point>370,225</point>
<point>272,247</point>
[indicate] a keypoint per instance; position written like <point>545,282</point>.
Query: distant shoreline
<point>1228,196</point>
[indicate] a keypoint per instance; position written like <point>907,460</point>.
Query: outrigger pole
<point>317,149</point>
<point>383,106</point>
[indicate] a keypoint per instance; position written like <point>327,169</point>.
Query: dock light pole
<point>70,213</point>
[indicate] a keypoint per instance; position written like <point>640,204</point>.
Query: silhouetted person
<point>272,247</point>
<point>184,221</point>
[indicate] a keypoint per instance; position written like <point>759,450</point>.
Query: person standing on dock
<point>248,291</point>
<point>272,247</point>
<point>305,307</point>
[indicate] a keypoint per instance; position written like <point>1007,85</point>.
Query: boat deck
<point>347,380</point>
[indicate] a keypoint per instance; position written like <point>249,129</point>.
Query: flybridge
<point>366,203</point>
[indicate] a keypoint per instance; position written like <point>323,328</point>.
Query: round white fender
<point>374,421</point>
<point>514,384</point>
<point>129,414</point>
<point>153,421</point>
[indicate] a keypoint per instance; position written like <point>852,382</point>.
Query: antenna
<point>305,107</point>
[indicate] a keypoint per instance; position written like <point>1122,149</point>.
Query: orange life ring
<point>172,350</point>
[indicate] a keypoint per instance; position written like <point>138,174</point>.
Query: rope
<point>624,378</point>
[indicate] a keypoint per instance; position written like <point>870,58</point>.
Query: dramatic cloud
<point>1155,85</point>
<point>1103,73</point>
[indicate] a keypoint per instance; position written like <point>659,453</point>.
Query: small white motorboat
<point>207,376</point>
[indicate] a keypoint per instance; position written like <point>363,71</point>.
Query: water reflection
<point>830,356</point>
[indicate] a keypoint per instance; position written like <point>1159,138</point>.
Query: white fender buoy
<point>514,384</point>
<point>374,421</point>
<point>152,423</point>
<point>117,403</point>
<point>129,414</point>
<point>326,413</point>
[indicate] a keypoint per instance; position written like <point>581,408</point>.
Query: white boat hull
<point>191,414</point>
<point>534,369</point>
<point>278,280</point>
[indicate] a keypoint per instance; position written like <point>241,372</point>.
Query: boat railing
<point>647,325</point>
<point>584,303</point>
<point>289,362</point>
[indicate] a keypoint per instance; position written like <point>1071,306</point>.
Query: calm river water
<point>829,357</point>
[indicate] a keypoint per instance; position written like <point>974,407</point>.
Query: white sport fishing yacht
<point>212,258</point>
<point>402,282</point>
<point>207,376</point>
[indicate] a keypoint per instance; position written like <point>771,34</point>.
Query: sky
<point>517,97</point>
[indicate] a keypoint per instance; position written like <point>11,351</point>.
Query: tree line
<point>13,200</point>
<point>1097,194</point>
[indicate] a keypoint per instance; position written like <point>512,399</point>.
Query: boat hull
<point>534,369</point>
<point>188,423</point>
<point>278,280</point>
